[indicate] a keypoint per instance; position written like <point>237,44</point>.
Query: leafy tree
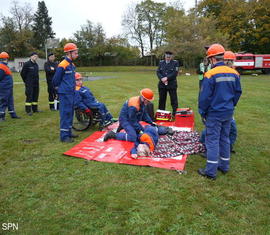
<point>119,52</point>
<point>22,16</point>
<point>85,40</point>
<point>15,31</point>
<point>91,41</point>
<point>99,47</point>
<point>42,26</point>
<point>132,25</point>
<point>261,22</point>
<point>150,14</point>
<point>245,23</point>
<point>188,39</point>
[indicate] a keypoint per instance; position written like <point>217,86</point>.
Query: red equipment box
<point>184,117</point>
<point>163,115</point>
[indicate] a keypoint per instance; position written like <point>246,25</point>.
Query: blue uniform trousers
<point>130,135</point>
<point>233,132</point>
<point>6,102</point>
<point>66,115</point>
<point>232,136</point>
<point>217,144</point>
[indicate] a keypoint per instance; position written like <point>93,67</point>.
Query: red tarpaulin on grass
<point>116,151</point>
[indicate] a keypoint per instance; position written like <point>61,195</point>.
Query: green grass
<point>46,192</point>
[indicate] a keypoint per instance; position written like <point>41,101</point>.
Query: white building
<point>17,64</point>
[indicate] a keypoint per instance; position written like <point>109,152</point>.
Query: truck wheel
<point>266,71</point>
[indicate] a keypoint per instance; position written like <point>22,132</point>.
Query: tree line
<point>149,28</point>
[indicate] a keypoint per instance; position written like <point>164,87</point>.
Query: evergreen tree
<point>42,26</point>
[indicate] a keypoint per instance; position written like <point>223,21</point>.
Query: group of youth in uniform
<point>220,90</point>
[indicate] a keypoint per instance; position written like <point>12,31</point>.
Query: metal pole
<point>46,52</point>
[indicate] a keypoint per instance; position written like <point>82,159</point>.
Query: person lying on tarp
<point>132,112</point>
<point>85,100</point>
<point>146,142</point>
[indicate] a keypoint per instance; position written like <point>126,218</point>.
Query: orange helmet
<point>78,76</point>
<point>215,49</point>
<point>229,55</point>
<point>70,47</point>
<point>4,55</point>
<point>147,94</point>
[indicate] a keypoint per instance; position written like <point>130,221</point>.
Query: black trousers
<point>31,93</point>
<point>163,97</point>
<point>51,91</point>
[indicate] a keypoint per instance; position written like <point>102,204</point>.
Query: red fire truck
<point>248,61</point>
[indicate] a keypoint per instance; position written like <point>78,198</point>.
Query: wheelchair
<point>83,121</point>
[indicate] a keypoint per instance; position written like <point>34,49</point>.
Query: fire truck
<point>249,61</point>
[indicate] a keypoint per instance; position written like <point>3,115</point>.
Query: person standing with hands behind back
<point>219,94</point>
<point>64,82</point>
<point>167,72</point>
<point>30,78</point>
<point>50,68</point>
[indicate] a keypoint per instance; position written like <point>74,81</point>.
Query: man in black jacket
<point>30,78</point>
<point>50,68</point>
<point>167,72</point>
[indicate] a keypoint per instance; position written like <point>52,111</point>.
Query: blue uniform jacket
<point>6,80</point>
<point>134,111</point>
<point>169,70</point>
<point>220,91</point>
<point>64,77</point>
<point>150,137</point>
<point>84,98</point>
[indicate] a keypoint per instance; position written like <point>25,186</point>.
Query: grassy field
<point>46,192</point>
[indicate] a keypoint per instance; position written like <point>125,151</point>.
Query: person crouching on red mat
<point>132,112</point>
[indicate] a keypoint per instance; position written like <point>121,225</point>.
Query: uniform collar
<point>67,59</point>
<point>33,62</point>
<point>218,64</point>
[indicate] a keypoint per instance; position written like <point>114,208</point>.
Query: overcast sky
<point>69,15</point>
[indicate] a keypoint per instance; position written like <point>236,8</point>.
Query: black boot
<point>109,135</point>
<point>28,110</point>
<point>170,131</point>
<point>35,109</point>
<point>52,107</point>
<point>2,118</point>
<point>15,116</point>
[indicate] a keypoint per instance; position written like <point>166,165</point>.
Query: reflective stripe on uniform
<point>51,102</point>
<point>28,104</point>
<point>64,129</point>
<point>2,112</point>
<point>225,159</point>
<point>225,79</point>
<point>34,103</point>
<point>11,112</point>
<point>213,162</point>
